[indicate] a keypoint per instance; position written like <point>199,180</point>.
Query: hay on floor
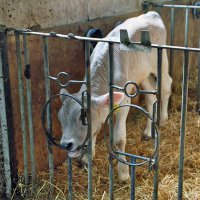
<point>168,167</point>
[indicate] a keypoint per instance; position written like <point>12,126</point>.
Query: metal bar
<point>114,41</point>
<point>198,84</point>
<point>22,110</point>
<point>30,113</point>
<point>172,17</point>
<point>186,27</point>
<point>173,47</point>
<point>134,156</point>
<point>152,124</point>
<point>158,86</point>
<point>89,147</point>
<point>49,123</point>
<point>4,133</point>
<point>133,160</point>
<point>183,123</point>
<point>70,181</point>
<point>111,123</point>
<point>68,37</point>
<point>9,106</point>
<point>173,6</point>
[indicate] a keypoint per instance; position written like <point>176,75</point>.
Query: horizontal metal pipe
<point>134,156</point>
<point>112,41</point>
<point>173,6</point>
<point>67,36</point>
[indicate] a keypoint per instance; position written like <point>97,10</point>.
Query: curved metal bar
<point>47,132</point>
<point>134,84</point>
<point>68,82</point>
<point>113,152</point>
<point>66,75</point>
<point>138,91</point>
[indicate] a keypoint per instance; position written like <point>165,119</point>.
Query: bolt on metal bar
<point>183,122</point>
<point>111,122</point>
<point>70,180</point>
<point>22,109</point>
<point>172,21</point>
<point>4,133</point>
<point>133,177</point>
<point>49,123</point>
<point>158,86</point>
<point>89,147</point>
<point>30,112</point>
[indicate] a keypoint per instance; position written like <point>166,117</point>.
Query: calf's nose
<point>67,145</point>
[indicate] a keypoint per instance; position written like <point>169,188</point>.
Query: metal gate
<point>152,162</point>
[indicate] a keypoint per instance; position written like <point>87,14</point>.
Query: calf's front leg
<point>120,139</point>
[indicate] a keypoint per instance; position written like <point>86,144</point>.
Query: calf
<point>128,65</point>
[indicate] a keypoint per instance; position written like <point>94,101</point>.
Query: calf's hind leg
<point>149,84</point>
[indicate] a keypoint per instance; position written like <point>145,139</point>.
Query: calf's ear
<point>63,91</point>
<point>104,100</point>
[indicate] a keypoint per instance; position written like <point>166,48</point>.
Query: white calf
<point>138,66</point>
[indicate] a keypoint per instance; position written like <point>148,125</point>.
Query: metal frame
<point>187,8</point>
<point>157,92</point>
<point>136,45</point>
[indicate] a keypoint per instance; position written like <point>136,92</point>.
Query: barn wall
<point>41,14</point>
<point>68,55</point>
<point>49,13</point>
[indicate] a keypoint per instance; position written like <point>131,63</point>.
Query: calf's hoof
<point>145,138</point>
<point>123,173</point>
<point>83,161</point>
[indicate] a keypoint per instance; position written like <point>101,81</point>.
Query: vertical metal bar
<point>49,123</point>
<point>30,114</point>
<point>89,149</point>
<point>111,122</point>
<point>172,17</point>
<point>198,84</point>
<point>133,160</point>
<point>183,107</point>
<point>9,106</point>
<point>4,133</point>
<point>70,185</point>
<point>22,110</point>
<point>158,86</point>
<point>183,122</point>
<point>186,27</point>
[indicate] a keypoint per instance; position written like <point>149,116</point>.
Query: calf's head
<point>74,132</point>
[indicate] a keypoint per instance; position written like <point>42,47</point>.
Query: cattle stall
<point>148,161</point>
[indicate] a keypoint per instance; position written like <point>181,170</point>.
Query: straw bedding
<point>168,167</point>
